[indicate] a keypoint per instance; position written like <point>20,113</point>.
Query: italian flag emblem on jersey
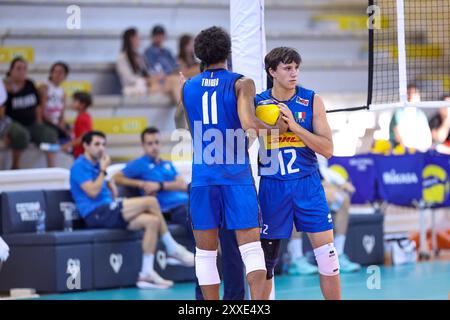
<point>300,116</point>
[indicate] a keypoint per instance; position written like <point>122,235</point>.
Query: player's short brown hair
<point>279,55</point>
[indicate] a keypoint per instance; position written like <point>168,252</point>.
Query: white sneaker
<point>184,256</point>
<point>153,281</point>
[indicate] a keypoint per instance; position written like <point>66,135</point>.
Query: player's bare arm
<point>245,91</point>
<point>321,140</point>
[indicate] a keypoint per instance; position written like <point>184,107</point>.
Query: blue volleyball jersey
<point>219,143</point>
<point>293,158</point>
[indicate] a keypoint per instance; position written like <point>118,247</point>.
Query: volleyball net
<point>408,45</point>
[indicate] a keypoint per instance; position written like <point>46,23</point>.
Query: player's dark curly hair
<point>212,45</point>
<point>279,55</point>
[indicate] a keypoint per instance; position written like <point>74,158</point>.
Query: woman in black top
<point>22,107</point>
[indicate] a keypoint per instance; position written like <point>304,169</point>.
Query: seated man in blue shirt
<point>95,200</point>
<point>152,176</point>
<point>156,177</point>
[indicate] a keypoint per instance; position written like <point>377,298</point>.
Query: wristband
<point>161,186</point>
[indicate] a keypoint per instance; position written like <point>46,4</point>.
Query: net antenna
<point>409,45</point>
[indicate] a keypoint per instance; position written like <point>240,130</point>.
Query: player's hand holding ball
<point>270,114</point>
<point>286,115</point>
<point>282,125</point>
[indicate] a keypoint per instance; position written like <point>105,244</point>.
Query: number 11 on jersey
<point>205,108</point>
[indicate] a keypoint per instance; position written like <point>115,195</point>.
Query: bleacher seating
<point>328,52</point>
<point>33,179</point>
<point>333,47</point>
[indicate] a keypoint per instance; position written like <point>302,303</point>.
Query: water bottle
<point>50,147</point>
<point>68,220</point>
<point>40,221</point>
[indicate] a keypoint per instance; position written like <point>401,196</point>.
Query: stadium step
<point>99,46</point>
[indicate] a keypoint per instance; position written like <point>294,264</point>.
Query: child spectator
<point>53,100</point>
<point>81,101</point>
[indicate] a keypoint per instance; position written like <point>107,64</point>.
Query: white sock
<point>295,248</point>
<point>339,243</point>
<point>147,264</point>
<point>169,242</point>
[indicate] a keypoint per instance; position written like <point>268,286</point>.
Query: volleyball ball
<point>268,113</point>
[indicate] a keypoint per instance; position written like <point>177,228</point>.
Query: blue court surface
<point>426,280</point>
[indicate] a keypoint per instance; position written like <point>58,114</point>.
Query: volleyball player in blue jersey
<point>293,194</point>
<point>219,107</point>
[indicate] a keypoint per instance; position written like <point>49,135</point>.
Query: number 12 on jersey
<point>288,168</point>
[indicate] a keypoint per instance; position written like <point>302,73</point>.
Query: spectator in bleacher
<point>5,121</point>
<point>440,124</point>
<point>189,66</point>
<point>96,200</point>
<point>409,126</point>
<point>159,59</point>
<point>162,65</point>
<point>53,100</point>
<point>81,101</point>
<point>3,94</point>
<point>22,106</point>
<point>131,67</point>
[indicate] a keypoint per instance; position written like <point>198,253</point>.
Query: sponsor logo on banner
<point>340,170</point>
<point>361,163</point>
<point>436,184</point>
<point>392,177</point>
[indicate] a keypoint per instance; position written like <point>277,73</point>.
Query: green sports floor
<point>426,280</point>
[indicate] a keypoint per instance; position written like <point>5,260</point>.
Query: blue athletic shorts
<point>108,216</point>
<point>299,201</point>
<point>231,207</point>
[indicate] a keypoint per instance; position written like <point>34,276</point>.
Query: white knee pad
<point>327,260</point>
<point>206,267</point>
<point>253,256</point>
